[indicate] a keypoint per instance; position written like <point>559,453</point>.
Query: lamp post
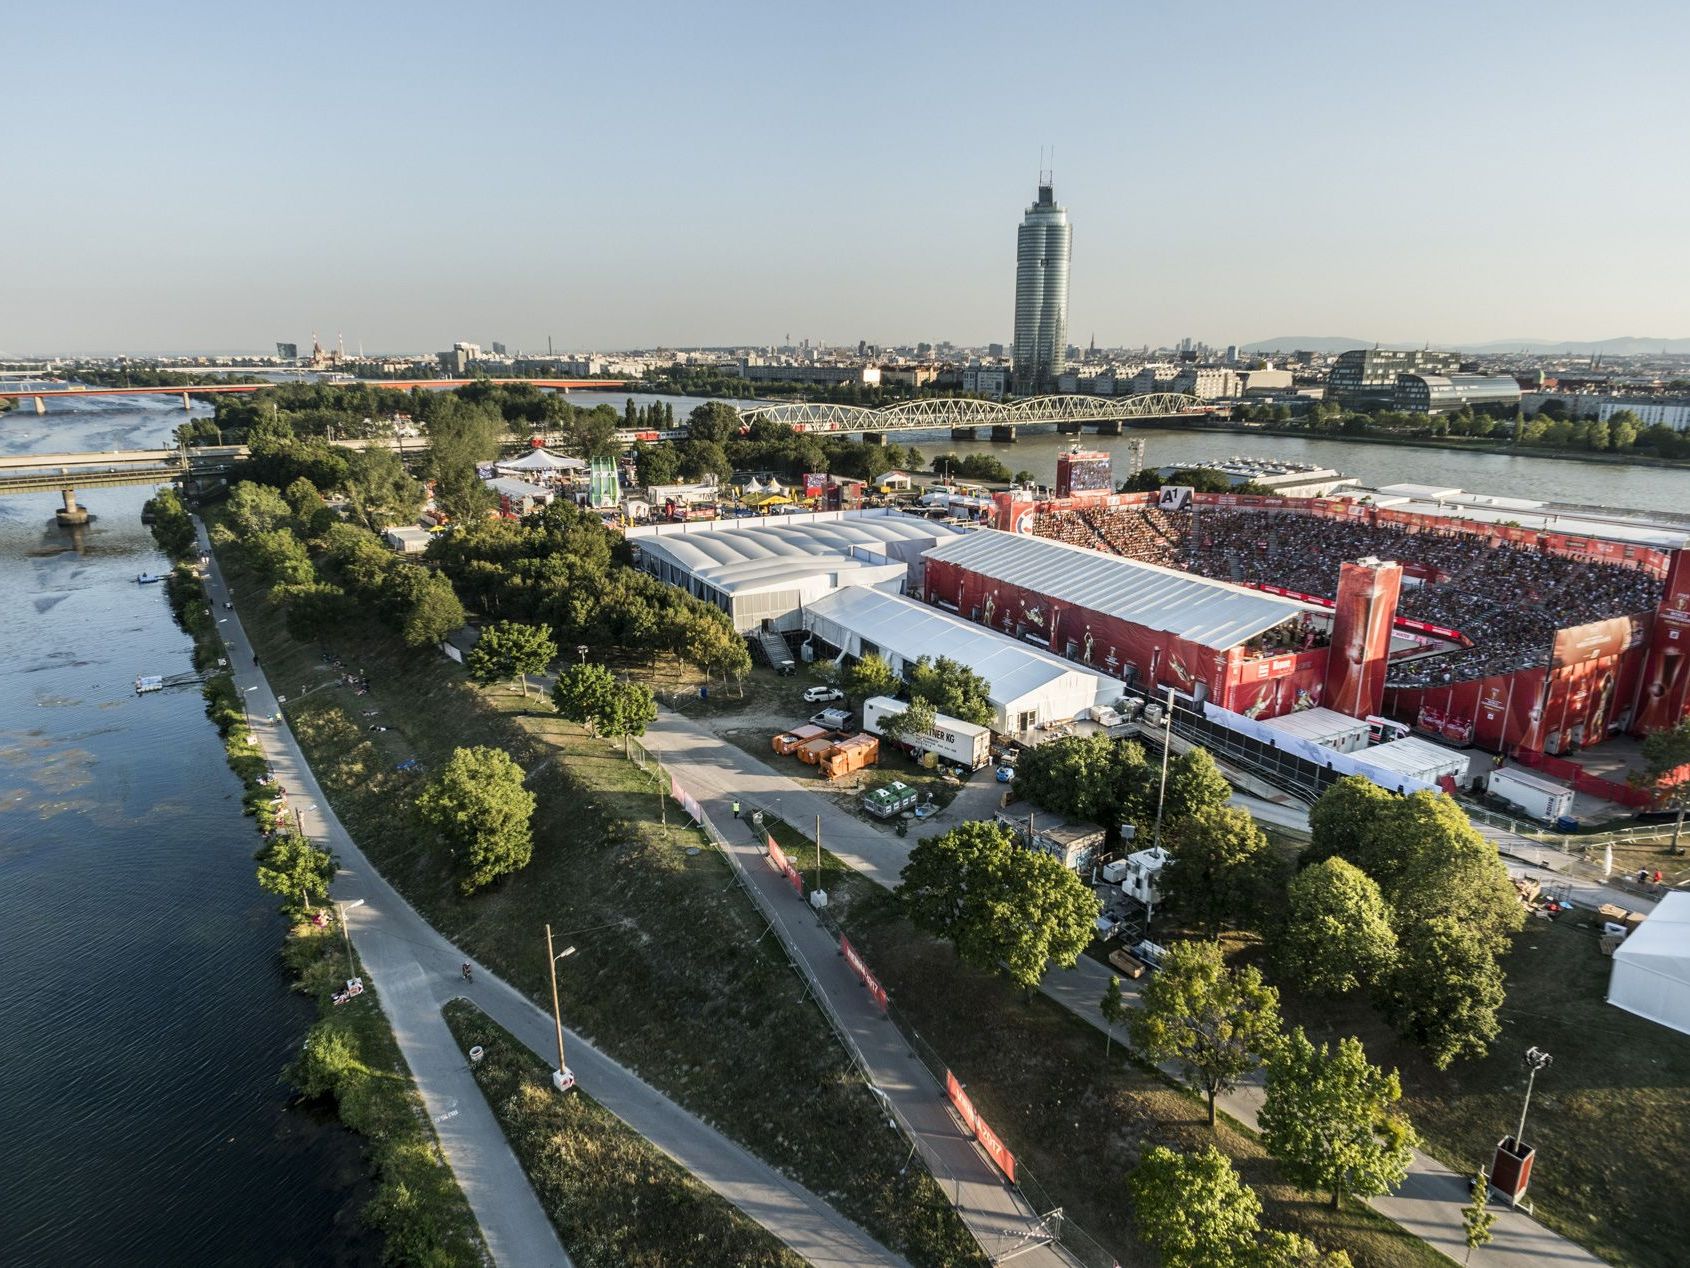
<point>1535,1059</point>
<point>562,1079</point>
<point>1162,792</point>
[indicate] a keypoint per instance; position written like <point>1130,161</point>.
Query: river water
<point>146,1015</point>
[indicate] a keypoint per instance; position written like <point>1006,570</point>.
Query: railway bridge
<point>966,418</point>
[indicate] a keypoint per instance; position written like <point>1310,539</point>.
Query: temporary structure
<point>543,460</point>
<point>1651,974</point>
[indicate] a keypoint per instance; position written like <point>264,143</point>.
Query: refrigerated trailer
<point>1534,795</point>
<point>951,739</point>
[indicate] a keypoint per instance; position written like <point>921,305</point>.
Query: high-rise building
<point>1041,292</point>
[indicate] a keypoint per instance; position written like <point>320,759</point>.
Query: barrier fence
<point>1048,1225</point>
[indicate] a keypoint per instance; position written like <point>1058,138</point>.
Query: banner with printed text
<point>985,1135</point>
<point>777,856</point>
<point>875,989</point>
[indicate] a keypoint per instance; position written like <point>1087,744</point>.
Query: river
<point>147,1016</point>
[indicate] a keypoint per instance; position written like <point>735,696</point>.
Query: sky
<point>218,176</point>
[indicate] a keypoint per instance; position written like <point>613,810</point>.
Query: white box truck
<point>951,739</point>
<point>1535,796</point>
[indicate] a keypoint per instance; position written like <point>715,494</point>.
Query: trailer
<point>1533,795</point>
<point>951,740</point>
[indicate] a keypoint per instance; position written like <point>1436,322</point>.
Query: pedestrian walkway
<point>1428,1204</point>
<point>415,971</point>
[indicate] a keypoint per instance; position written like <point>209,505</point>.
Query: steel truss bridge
<point>959,414</point>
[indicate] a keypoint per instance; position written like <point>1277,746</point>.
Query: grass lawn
<point>616,1201</point>
<point>673,974</point>
<point>1079,1121</point>
<point>1610,1119</point>
<point>418,1206</point>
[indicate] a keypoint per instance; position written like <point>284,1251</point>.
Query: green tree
<point>1195,783</point>
<point>1220,865</point>
<point>434,611</point>
<point>1088,777</point>
<point>1341,819</point>
<point>1194,1210</point>
<point>1446,990</point>
<point>603,703</point>
<point>955,689</point>
<point>1332,1119</point>
<point>256,508</point>
<point>1337,929</point>
<point>379,489</point>
<point>313,610</point>
<point>461,435</point>
<point>1476,1217</point>
<point>1665,754</point>
<point>1008,911</point>
<point>1218,1024</point>
<point>919,718</point>
<point>871,676</point>
<point>297,870</point>
<point>279,557</point>
<point>479,806</point>
<point>657,463</point>
<point>1113,1007</point>
<point>173,527</point>
<point>713,421</point>
<point>510,649</point>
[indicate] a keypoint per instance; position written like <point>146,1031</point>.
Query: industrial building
<point>1028,686</point>
<point>762,572</point>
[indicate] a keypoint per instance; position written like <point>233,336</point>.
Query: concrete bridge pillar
<point>70,513</point>
<point>40,405</point>
<point>962,433</point>
<point>875,438</point>
<point>185,404</point>
<point>1003,433</point>
<point>1069,428</point>
<point>1108,427</point>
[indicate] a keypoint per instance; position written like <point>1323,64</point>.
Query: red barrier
<point>985,1135</point>
<point>777,856</point>
<point>875,989</point>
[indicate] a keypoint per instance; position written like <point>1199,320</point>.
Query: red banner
<point>875,989</point>
<point>985,1135</point>
<point>777,856</point>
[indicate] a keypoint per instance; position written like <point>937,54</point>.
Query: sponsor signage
<point>777,857</point>
<point>985,1135</point>
<point>875,989</point>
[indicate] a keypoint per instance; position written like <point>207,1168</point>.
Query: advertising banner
<point>985,1135</point>
<point>1598,639</point>
<point>875,989</point>
<point>1361,637</point>
<point>783,865</point>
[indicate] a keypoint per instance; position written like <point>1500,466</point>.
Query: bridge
<point>964,418</point>
<point>41,394</point>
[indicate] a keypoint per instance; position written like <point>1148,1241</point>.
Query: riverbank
<point>349,1057</point>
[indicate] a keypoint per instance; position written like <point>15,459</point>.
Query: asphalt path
<point>416,971</point>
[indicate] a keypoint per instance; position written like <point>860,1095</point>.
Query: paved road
<point>415,971</point>
<point>1429,1203</point>
<point>716,773</point>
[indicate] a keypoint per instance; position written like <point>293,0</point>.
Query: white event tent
<point>542,461</point>
<point>1651,974</point>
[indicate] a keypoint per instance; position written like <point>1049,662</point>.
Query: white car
<point>822,695</point>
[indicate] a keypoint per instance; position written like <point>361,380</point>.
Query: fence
<point>1048,1224</point>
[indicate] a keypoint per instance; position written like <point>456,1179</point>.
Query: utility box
<point>1511,1169</point>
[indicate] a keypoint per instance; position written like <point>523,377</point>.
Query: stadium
<point>1523,634</point>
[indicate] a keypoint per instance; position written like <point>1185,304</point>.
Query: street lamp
<point>1511,1170</point>
<point>1535,1059</point>
<point>1162,792</point>
<point>562,1079</point>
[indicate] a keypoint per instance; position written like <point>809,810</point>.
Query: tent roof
<point>1213,613</point>
<point>1662,941</point>
<point>517,488</point>
<point>912,630</point>
<point>1412,756</point>
<point>542,460</point>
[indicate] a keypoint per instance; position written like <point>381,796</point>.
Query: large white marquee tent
<point>1651,973</point>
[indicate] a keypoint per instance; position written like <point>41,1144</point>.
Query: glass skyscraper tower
<point>1041,293</point>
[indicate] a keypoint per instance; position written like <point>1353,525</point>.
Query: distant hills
<point>1623,346</point>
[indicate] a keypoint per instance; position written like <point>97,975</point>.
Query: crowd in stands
<point>1507,601</point>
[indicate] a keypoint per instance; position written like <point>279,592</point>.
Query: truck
<point>951,740</point>
<point>1533,795</point>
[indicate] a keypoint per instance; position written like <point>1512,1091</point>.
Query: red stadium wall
<point>1361,637</point>
<point>1664,698</point>
<point>1262,687</point>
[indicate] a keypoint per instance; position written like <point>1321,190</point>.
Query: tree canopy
<point>1446,990</point>
<point>292,867</point>
<point>511,649</point>
<point>1337,932</point>
<point>1220,868</point>
<point>1195,783</point>
<point>1332,1118</point>
<point>953,689</point>
<point>1194,1209</point>
<point>1341,819</point>
<point>479,806</point>
<point>603,703</point>
<point>1007,910</point>
<point>1088,777</point>
<point>871,676</point>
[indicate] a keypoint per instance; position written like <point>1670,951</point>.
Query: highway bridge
<point>44,392</point>
<point>966,418</point>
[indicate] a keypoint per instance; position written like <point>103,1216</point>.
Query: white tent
<point>1651,974</point>
<point>753,485</point>
<point>543,460</point>
<point>774,486</point>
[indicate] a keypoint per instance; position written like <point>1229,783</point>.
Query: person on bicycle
<point>466,971</point>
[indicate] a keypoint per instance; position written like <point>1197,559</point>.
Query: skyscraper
<point>1041,292</point>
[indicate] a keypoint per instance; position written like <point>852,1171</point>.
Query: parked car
<point>822,695</point>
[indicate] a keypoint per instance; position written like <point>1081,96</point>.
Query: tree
<point>461,435</point>
<point>510,649</point>
<point>919,718</point>
<point>1088,777</point>
<point>1337,930</point>
<point>1446,990</point>
<point>173,527</point>
<point>1331,1118</point>
<point>1194,1209</point>
<point>434,611</point>
<point>955,689</point>
<point>1007,910</point>
<point>479,806</point>
<point>603,703</point>
<point>256,508</point>
<point>1476,1217</point>
<point>871,676</point>
<point>1219,866</point>
<point>313,610</point>
<point>1665,752</point>
<point>714,421</point>
<point>1341,819</point>
<point>1218,1024</point>
<point>1194,783</point>
<point>1114,1009</point>
<point>380,490</point>
<point>295,869</point>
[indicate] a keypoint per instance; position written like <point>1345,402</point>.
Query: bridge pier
<point>70,514</point>
<point>1003,433</point>
<point>1108,427</point>
<point>962,433</point>
<point>40,405</point>
<point>875,438</point>
<point>185,404</point>
<point>1068,428</point>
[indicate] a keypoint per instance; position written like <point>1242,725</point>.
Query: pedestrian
<point>736,809</point>
<point>1642,876</point>
<point>1657,876</point>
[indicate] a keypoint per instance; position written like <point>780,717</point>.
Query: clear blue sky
<point>222,175</point>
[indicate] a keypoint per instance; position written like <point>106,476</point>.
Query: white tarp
<point>1651,974</point>
<point>1372,763</point>
<point>542,460</point>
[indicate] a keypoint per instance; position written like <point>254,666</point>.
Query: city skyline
<point>731,179</point>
